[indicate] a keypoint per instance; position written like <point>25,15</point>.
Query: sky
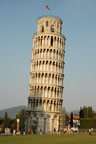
<point>18,23</point>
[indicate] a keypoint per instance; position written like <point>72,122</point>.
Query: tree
<point>90,112</point>
<point>87,117</point>
<point>12,123</point>
<point>22,116</point>
<point>6,120</point>
<point>71,119</point>
<point>81,113</point>
<point>67,119</point>
<point>86,112</point>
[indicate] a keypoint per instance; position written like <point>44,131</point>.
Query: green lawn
<point>49,139</point>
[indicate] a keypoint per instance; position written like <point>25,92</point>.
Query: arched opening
<point>42,28</point>
<point>51,40</point>
<point>52,28</point>
<point>41,40</point>
<point>46,23</point>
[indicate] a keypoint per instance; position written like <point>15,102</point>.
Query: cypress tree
<point>71,120</point>
<point>6,120</point>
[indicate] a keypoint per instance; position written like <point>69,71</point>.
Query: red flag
<point>47,7</point>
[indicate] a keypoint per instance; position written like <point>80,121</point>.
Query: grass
<point>49,139</point>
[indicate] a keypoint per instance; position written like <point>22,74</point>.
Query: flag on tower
<point>47,7</point>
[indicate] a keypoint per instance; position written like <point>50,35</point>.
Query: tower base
<point>40,122</point>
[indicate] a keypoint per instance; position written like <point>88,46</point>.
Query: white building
<point>46,77</point>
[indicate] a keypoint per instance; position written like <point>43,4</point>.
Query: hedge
<point>87,123</point>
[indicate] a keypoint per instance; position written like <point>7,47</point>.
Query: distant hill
<point>11,111</point>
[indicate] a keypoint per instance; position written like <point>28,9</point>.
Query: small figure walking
<point>14,132</point>
<point>90,132</point>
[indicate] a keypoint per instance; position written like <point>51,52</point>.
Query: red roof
<point>74,116</point>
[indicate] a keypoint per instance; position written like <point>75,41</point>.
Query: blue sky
<point>18,24</point>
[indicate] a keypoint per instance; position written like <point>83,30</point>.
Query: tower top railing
<point>52,33</point>
<point>49,16</point>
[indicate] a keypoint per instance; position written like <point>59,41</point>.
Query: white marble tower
<point>46,77</point>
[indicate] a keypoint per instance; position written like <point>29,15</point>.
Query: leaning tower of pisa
<point>46,77</point>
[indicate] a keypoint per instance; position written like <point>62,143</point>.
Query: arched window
<point>51,40</point>
<point>46,23</point>
<point>42,28</point>
<point>52,28</point>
